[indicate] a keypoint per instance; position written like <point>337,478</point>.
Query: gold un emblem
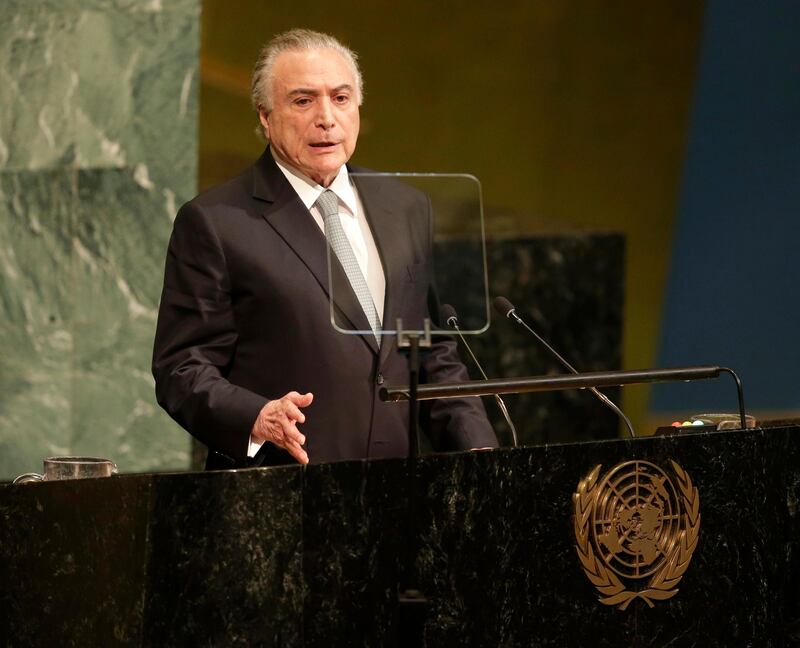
<point>633,524</point>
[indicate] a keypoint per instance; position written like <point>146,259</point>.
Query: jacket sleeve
<point>196,340</point>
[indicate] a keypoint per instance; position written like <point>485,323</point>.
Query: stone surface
<point>97,149</point>
<point>78,594</point>
<point>101,84</point>
<point>235,538</point>
<point>353,544</point>
<point>310,556</point>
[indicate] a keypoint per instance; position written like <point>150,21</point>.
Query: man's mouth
<point>322,145</point>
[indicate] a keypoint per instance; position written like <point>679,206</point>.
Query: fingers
<point>301,400</point>
<point>294,448</point>
<point>277,423</point>
<point>290,431</point>
<point>297,452</point>
<point>293,412</point>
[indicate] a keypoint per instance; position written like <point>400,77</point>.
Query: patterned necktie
<point>328,204</point>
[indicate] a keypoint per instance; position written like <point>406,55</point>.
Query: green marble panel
<point>36,338</point>
<point>98,148</point>
<point>121,234</point>
<point>81,258</point>
<point>101,84</point>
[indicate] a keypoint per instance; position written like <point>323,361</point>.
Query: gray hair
<point>295,39</point>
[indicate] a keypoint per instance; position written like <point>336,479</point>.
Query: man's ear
<point>263,118</point>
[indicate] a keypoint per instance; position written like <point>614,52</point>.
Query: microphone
<point>448,315</point>
<point>506,309</point>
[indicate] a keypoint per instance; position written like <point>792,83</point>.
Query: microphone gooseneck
<point>448,315</point>
<point>505,308</point>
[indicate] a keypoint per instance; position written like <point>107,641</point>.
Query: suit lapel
<point>288,216</point>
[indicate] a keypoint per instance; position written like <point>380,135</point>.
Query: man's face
<point>313,125</point>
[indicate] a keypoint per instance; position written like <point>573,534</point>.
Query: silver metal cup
<point>57,468</point>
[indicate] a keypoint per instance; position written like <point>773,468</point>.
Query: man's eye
<point>341,98</point>
<point>302,101</point>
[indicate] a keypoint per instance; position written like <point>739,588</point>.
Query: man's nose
<point>325,114</point>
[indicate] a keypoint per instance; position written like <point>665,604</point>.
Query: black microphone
<point>448,315</point>
<point>506,309</point>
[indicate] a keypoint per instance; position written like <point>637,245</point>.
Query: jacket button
<point>379,379</point>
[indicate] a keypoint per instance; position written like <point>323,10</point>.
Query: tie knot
<point>328,203</point>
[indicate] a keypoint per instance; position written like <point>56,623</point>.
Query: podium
<point>309,556</point>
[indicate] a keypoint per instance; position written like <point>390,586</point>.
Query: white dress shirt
<point>356,228</point>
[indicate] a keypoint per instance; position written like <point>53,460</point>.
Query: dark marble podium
<point>297,556</point>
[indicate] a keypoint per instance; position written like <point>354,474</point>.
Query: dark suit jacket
<point>245,317</point>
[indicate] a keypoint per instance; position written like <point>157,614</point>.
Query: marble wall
<point>98,146</point>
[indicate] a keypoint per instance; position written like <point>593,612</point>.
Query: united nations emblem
<point>633,524</point>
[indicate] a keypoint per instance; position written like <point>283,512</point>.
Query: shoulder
<point>235,191</point>
<point>222,201</point>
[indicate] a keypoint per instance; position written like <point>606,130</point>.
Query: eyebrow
<point>314,92</point>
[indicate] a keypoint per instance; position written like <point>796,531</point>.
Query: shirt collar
<point>309,191</point>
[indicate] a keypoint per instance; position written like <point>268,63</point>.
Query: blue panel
<point>732,296</point>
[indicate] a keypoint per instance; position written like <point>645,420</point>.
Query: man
<point>245,354</point>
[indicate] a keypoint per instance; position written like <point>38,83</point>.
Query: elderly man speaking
<point>245,356</point>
